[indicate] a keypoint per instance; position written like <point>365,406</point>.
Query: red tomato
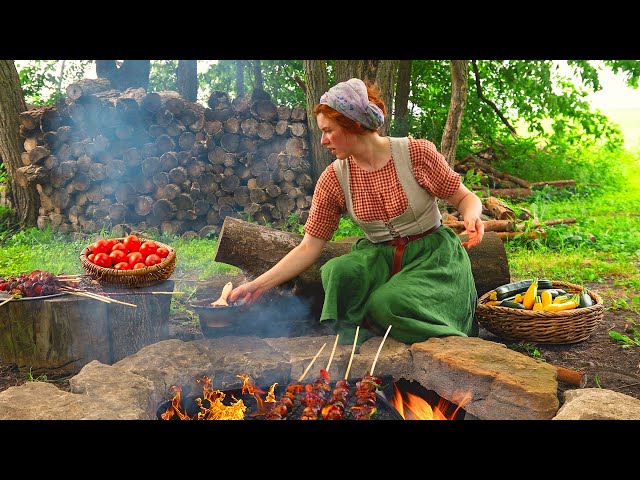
<point>139,265</point>
<point>120,246</point>
<point>102,260</point>
<point>132,242</point>
<point>152,259</point>
<point>148,248</point>
<point>111,242</point>
<point>135,257</point>
<point>122,266</point>
<point>118,256</point>
<point>100,246</point>
<point>162,252</point>
<point>90,257</point>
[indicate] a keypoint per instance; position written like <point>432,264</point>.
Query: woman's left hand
<point>475,230</point>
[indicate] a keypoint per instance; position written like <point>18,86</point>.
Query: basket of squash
<point>541,311</point>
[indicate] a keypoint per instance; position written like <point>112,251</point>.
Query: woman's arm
<point>470,206</point>
<point>292,264</point>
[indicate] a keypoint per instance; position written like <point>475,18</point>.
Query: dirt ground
<point>605,363</point>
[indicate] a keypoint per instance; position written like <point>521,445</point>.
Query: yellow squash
<point>530,295</point>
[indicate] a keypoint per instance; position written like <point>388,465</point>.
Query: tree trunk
<point>255,248</point>
<point>386,79</point>
<point>132,73</point>
<point>316,84</point>
<point>347,69</point>
<point>239,78</point>
<point>187,76</point>
<point>25,199</point>
<point>403,87</point>
<point>459,91</point>
<point>63,334</point>
<point>257,73</point>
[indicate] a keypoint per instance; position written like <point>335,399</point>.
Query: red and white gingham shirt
<point>378,195</point>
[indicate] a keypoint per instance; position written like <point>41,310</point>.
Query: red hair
<point>374,93</point>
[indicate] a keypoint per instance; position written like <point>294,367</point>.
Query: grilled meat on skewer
<point>316,396</point>
<point>365,406</point>
<point>285,403</point>
<point>337,404</point>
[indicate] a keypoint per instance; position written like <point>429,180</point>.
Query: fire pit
<point>190,405</point>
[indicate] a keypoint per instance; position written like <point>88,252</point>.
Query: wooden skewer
<point>353,349</point>
<point>99,297</point>
<point>6,301</point>
<point>379,349</point>
<point>332,352</point>
<point>313,360</point>
<point>142,293</point>
<point>84,294</point>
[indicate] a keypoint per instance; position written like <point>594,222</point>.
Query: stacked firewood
<point>102,157</point>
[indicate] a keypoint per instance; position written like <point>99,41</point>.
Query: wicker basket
<point>567,326</point>
<point>142,277</point>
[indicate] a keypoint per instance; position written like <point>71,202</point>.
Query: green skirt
<point>434,295</point>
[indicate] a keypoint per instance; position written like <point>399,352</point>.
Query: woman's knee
<point>341,268</point>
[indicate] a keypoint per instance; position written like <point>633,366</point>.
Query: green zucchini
<point>511,289</point>
<point>554,291</point>
<point>510,304</point>
<point>584,299</point>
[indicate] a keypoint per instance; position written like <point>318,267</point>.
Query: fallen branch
<point>497,173</point>
<point>499,209</point>
<point>555,183</point>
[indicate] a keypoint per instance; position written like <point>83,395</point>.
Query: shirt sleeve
<point>327,206</point>
<point>431,169</point>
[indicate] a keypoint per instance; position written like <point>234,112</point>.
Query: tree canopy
<point>514,107</point>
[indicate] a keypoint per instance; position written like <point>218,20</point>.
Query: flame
<point>414,407</point>
<point>262,406</point>
<point>216,409</point>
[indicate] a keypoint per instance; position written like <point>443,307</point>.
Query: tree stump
<point>255,248</point>
<point>62,334</point>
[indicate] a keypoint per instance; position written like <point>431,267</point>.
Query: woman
<point>410,271</point>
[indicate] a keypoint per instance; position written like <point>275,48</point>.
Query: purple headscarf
<point>352,100</point>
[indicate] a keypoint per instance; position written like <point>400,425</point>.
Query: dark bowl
<point>216,317</point>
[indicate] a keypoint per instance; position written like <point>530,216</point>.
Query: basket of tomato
<point>130,261</point>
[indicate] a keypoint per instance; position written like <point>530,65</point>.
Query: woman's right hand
<point>247,292</point>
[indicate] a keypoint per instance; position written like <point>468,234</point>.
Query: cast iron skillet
<point>215,317</point>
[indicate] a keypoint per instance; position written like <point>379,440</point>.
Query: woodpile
<point>103,157</point>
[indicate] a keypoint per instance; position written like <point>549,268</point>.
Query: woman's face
<point>334,137</point>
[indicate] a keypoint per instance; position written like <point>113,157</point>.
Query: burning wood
<point>216,410</point>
